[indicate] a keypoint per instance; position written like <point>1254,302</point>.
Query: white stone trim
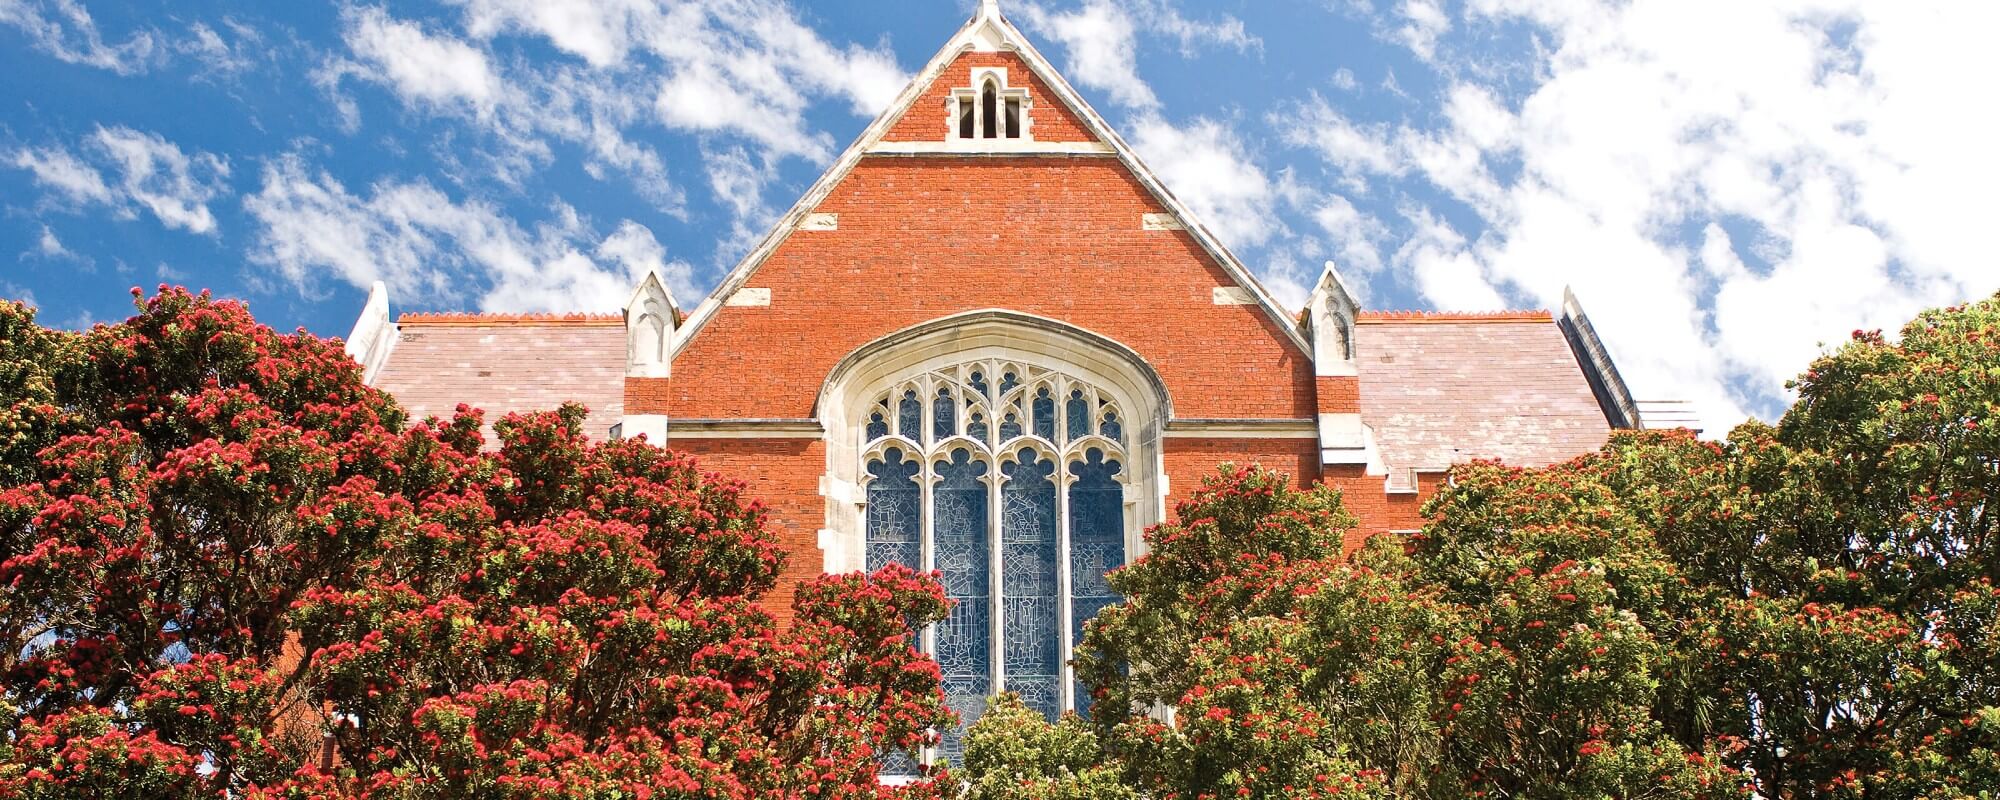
<point>1242,429</point>
<point>654,426</point>
<point>1233,296</point>
<point>1160,222</point>
<point>991,147</point>
<point>747,429</point>
<point>749,296</point>
<point>820,221</point>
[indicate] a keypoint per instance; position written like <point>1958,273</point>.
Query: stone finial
<point>1330,313</point>
<point>373,334</point>
<point>651,316</point>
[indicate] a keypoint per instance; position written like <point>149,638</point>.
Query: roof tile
<point>506,364</point>
<point>1443,389</point>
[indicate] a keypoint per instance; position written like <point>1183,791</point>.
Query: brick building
<point>988,341</point>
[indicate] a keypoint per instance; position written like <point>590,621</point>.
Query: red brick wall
<point>1339,395</point>
<point>1377,510</point>
<point>646,395</point>
<point>926,120</point>
<point>923,238</point>
<point>784,474</point>
<point>1190,461</point>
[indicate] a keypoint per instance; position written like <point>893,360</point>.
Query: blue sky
<point>1726,184</point>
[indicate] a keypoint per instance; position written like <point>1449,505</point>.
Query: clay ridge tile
<point>465,318</point>
<point>1454,316</point>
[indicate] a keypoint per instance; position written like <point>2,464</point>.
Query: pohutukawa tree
<point>1806,610</point>
<point>231,567</point>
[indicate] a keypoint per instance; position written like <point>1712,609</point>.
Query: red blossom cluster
<point>233,569</point>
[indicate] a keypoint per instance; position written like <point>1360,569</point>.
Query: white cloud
<point>1099,37</point>
<point>145,171</point>
<point>222,56</point>
<point>431,248</point>
<point>1822,130</point>
<point>424,68</point>
<point>1206,166</point>
<point>49,247</point>
<point>61,172</point>
<point>744,70</point>
<point>65,30</point>
<point>634,247</point>
<point>1423,22</point>
<point>155,173</point>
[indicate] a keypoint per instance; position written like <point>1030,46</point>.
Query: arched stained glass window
<point>1016,496</point>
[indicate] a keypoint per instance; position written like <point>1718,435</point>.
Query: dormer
<point>988,112</point>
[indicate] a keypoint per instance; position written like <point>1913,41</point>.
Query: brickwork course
<point>913,226</point>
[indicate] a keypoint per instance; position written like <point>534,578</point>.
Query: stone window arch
<point>1017,456</point>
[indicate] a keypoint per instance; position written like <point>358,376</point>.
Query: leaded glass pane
<point>910,416</point>
<point>979,384</point>
<point>964,640</point>
<point>1045,414</point>
<point>1111,429</point>
<point>1096,543</point>
<point>1008,382</point>
<point>976,426</point>
<point>878,426</point>
<point>967,697</point>
<point>899,764</point>
<point>1010,427</point>
<point>944,415</point>
<point>895,521</point>
<point>1078,410</point>
<point>1028,558</point>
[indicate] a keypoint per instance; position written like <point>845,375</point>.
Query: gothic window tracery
<point>989,109</point>
<point>1009,479</point>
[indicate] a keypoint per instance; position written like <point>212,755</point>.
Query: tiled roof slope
<point>504,364</point>
<point>1442,389</point>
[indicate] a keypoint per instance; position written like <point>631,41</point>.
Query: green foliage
<point>1016,755</point>
<point>1806,610</point>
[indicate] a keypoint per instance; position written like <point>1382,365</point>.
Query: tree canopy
<point>1805,610</point>
<point>231,568</point>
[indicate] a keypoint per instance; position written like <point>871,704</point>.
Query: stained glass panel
<point>979,384</point>
<point>1028,559</point>
<point>959,525</point>
<point>1008,382</point>
<point>878,426</point>
<point>1010,427</point>
<point>1078,411</point>
<point>976,426</point>
<point>910,416</point>
<point>1096,543</point>
<point>944,415</point>
<point>1045,414</point>
<point>895,521</point>
<point>1111,429</point>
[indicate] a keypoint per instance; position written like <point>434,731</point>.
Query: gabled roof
<point>987,30</point>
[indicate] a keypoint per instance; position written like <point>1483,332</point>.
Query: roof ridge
<point>504,318</point>
<point>1508,315</point>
